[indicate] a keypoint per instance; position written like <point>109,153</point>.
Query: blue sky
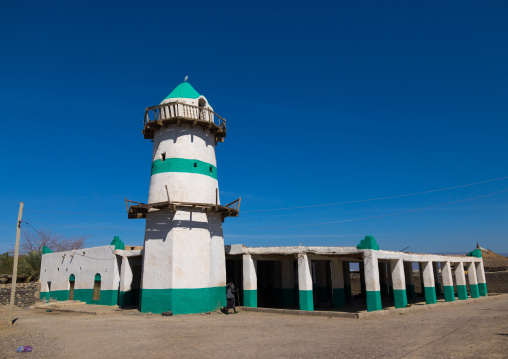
<point>326,102</point>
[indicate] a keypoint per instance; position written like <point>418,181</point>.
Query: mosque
<point>183,265</point>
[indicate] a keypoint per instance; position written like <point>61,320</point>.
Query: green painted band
<point>449,293</point>
<point>475,293</point>
<point>482,287</point>
<point>306,300</point>
<point>374,301</point>
<point>182,301</point>
<point>250,298</point>
<point>184,165</point>
<point>430,295</point>
<point>400,298</point>
<point>462,292</point>
<point>339,297</point>
<point>106,297</point>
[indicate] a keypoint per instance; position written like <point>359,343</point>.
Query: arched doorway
<point>72,279</point>
<point>97,288</point>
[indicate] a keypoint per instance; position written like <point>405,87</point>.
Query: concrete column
<point>410,284</point>
<point>347,281</point>
<point>288,283</point>
<point>446,272</point>
<point>422,286</point>
<point>473,281</point>
<point>428,280</point>
<point>437,278</point>
<point>362,278</point>
<point>338,294</point>
<point>124,297</point>
<point>399,283</point>
<point>480,274</point>
<point>320,277</point>
<point>460,278</point>
<point>250,281</point>
<point>383,279</point>
<point>372,287</point>
<point>305,293</point>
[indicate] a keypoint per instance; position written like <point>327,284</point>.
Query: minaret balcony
<point>140,210</point>
<point>178,113</point>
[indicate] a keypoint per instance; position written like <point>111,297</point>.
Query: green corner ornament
<point>117,242</point>
<point>369,242</point>
<point>46,250</point>
<point>475,253</point>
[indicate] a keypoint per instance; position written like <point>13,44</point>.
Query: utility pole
<point>15,266</point>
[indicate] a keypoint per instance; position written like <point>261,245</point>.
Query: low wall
<point>497,282</point>
<point>26,294</point>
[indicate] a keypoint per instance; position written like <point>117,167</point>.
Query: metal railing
<point>179,110</point>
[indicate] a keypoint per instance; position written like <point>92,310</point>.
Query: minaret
<point>184,268</point>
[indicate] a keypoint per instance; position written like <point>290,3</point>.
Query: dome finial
<point>186,78</point>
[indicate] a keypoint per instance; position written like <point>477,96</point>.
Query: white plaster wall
<point>189,143</point>
<point>250,279</point>
<point>57,268</point>
<point>184,250</point>
<point>184,142</point>
<point>304,272</point>
<point>183,187</point>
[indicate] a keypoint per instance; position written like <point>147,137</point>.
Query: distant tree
<point>34,241</point>
<point>6,263</point>
<point>30,265</point>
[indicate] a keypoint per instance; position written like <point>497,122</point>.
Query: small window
<point>211,169</point>
<point>195,164</point>
<point>96,295</point>
<point>163,156</point>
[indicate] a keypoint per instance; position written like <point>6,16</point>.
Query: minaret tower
<point>184,268</point>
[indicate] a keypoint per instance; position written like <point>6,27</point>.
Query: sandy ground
<point>476,330</point>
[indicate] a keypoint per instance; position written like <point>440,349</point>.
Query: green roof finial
<point>117,242</point>
<point>369,242</point>
<point>475,253</point>
<point>46,250</point>
<point>184,90</point>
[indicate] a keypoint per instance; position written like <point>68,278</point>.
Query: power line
<point>375,199</point>
<point>73,226</point>
<point>373,217</point>
<point>288,208</point>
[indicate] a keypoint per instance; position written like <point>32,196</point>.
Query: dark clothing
<point>230,291</point>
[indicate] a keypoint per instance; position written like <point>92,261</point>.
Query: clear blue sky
<point>325,101</point>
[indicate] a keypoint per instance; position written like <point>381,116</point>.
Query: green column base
<point>288,297</point>
<point>306,300</point>
<point>482,287</point>
<point>400,298</point>
<point>462,292</point>
<point>339,298</point>
<point>347,292</point>
<point>374,301</point>
<point>182,300</point>
<point>44,296</point>
<point>250,298</point>
<point>410,288</point>
<point>449,293</point>
<point>430,295</point>
<point>475,293</point>
<point>384,289</point>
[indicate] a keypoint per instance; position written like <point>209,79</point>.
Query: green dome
<point>184,90</point>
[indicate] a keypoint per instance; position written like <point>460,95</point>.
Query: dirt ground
<point>476,330</point>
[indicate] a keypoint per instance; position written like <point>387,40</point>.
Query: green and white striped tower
<point>184,263</point>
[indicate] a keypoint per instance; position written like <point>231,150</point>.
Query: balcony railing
<point>177,112</point>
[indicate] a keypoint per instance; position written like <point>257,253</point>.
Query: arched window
<point>97,288</point>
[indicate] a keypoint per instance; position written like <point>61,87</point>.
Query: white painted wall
<point>184,250</point>
<point>84,264</point>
